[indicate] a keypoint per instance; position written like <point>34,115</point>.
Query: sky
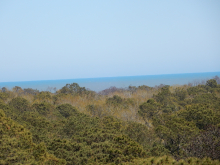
<point>49,40</point>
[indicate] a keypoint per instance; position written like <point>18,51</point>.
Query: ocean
<point>98,84</point>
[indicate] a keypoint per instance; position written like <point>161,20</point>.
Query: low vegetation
<point>137,125</point>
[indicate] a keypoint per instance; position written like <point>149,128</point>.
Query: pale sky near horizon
<point>46,40</point>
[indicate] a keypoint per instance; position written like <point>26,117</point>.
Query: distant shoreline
<point>98,84</point>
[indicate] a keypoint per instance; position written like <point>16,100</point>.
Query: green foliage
<point>168,102</point>
<point>78,123</point>
<point>208,98</point>
<point>38,125</point>
<point>148,109</point>
<point>95,141</point>
<point>206,144</point>
<point>158,149</point>
<point>197,90</point>
<point>96,147</point>
<point>212,83</point>
<point>176,132</point>
<point>44,108</point>
<point>115,100</point>
<point>202,116</point>
<point>113,124</point>
<point>66,110</point>
<point>5,107</point>
<point>66,150</point>
<point>145,87</point>
<point>4,96</point>
<point>31,91</point>
<point>44,96</point>
<point>141,134</point>
<point>74,89</point>
<point>17,146</point>
<point>163,95</point>
<point>168,160</point>
<point>180,93</point>
<point>181,124</point>
<point>20,104</point>
<point>56,98</point>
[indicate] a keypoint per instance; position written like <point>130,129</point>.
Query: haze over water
<point>98,84</point>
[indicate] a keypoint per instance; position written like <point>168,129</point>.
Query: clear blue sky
<point>46,40</point>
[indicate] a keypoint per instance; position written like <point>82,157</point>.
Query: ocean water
<point>98,84</point>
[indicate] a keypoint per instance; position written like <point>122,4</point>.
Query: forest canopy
<point>135,125</point>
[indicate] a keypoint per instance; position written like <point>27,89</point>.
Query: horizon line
<point>107,77</point>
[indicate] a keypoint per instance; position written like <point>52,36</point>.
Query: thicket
<point>137,125</point>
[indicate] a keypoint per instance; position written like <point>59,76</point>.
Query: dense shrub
<point>20,104</point>
<point>135,125</point>
<point>66,110</point>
